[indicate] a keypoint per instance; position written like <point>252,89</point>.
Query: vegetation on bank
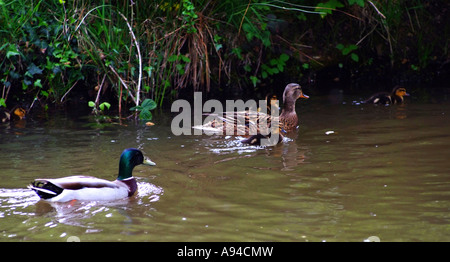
<point>116,54</point>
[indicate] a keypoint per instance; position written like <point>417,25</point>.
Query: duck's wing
<point>52,187</point>
<point>239,123</point>
<point>78,182</point>
<point>378,98</point>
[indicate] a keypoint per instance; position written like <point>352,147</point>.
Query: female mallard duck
<point>395,97</point>
<point>247,123</point>
<point>288,117</point>
<point>88,188</point>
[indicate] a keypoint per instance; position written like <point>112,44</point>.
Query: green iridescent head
<point>130,158</point>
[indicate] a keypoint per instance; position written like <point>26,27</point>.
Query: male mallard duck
<point>88,188</point>
<point>247,123</point>
<point>395,97</point>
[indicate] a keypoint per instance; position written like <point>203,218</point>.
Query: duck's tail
<point>45,189</point>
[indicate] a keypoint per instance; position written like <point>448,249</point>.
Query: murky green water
<point>351,172</point>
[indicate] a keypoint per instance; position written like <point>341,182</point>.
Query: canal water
<point>350,172</point>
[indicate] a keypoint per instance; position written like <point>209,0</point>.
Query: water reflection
<point>351,172</point>
<point>25,203</point>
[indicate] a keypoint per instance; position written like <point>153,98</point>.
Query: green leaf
<point>91,104</point>
<point>44,93</point>
<point>348,49</point>
<point>12,51</point>
<point>172,58</point>
<point>264,74</point>
<point>185,59</point>
<point>273,62</point>
<point>254,80</point>
<point>328,7</point>
<point>38,83</point>
<point>354,57</point>
<point>145,114</point>
<point>136,108</point>
<point>359,2</point>
<point>284,57</point>
<point>238,52</point>
<point>149,104</point>
<point>33,70</point>
<point>280,67</point>
<point>103,105</point>
<point>2,102</point>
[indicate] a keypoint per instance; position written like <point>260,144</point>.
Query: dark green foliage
<point>130,51</point>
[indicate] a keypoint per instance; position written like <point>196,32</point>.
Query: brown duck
<point>247,123</point>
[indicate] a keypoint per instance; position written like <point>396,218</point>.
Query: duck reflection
<point>291,154</point>
<point>400,111</point>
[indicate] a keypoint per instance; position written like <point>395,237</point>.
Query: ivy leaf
<point>2,102</point>
<point>12,51</point>
<point>34,70</point>
<point>38,83</point>
<point>44,93</point>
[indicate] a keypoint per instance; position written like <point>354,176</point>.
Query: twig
<point>298,50</point>
<point>34,100</point>
<point>138,91</point>
<point>376,9</point>
<point>7,90</point>
<point>243,17</point>
<point>62,98</point>
<point>99,91</point>
<point>362,39</point>
<point>123,83</point>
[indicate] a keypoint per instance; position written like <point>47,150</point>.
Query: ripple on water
<point>15,200</point>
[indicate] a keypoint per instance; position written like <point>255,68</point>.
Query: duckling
<point>271,100</point>
<point>248,122</point>
<point>5,116</point>
<point>17,113</point>
<point>89,188</point>
<point>395,97</point>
